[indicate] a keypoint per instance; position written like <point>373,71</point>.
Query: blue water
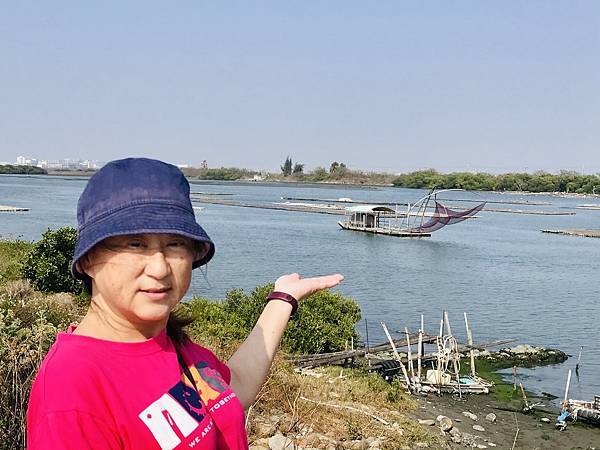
<point>513,281</point>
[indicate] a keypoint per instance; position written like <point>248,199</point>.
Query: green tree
<point>286,169</point>
<point>319,174</point>
<point>298,169</point>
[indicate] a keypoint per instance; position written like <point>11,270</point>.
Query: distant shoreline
<point>325,184</point>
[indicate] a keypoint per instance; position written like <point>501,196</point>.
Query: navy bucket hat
<point>135,196</point>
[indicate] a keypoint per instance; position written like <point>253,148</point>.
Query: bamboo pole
<point>578,361</point>
<point>470,343</point>
<point>527,407</point>
<point>411,368</point>
<point>567,389</point>
<point>448,330</point>
<point>454,359</point>
<point>387,333</point>
<point>419,354</point>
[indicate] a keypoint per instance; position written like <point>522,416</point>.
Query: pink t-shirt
<point>95,394</point>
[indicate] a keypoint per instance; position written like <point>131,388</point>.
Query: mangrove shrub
<point>47,265</point>
<point>324,322</point>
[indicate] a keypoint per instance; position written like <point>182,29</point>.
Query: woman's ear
<point>84,264</point>
<point>200,250</point>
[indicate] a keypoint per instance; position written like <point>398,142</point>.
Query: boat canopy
<point>369,209</point>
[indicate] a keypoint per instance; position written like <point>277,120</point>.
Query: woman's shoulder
<point>67,369</point>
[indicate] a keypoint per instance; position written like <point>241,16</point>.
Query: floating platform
<point>581,233</point>
<point>4,208</point>
<point>339,210</point>
<point>367,202</point>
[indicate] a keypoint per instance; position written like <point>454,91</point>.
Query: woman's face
<point>141,277</point>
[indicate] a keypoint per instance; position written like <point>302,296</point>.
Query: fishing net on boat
<point>445,216</point>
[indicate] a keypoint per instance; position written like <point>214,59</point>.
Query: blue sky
<point>381,85</point>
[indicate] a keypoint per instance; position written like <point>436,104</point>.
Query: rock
<point>454,433</point>
<point>478,428</point>
<point>491,444</point>
<point>427,422</point>
<point>470,415</point>
<point>374,443</point>
<point>445,423</point>
<point>422,445</point>
<point>491,417</point>
<point>523,348</point>
<point>470,440</point>
<point>280,442</point>
<point>545,420</point>
<point>356,444</point>
<point>481,446</point>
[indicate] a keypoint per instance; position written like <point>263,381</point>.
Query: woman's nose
<point>157,265</point>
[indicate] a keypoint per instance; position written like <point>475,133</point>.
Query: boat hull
<point>387,231</point>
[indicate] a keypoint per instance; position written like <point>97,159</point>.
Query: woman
<point>127,377</point>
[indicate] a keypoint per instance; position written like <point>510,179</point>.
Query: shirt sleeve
<point>71,430</point>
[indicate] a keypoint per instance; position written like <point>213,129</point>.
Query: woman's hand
<point>300,288</point>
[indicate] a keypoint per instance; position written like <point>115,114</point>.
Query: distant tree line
<point>565,181</point>
<point>339,172</point>
<point>222,173</point>
<point>22,170</point>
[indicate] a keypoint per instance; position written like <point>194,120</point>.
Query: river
<point>512,280</point>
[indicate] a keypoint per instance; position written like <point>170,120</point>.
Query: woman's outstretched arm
<point>250,364</point>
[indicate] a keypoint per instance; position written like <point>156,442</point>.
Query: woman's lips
<point>156,294</point>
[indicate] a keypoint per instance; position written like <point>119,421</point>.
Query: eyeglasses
<point>137,248</point>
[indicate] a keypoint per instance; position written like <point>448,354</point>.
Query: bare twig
<point>516,434</point>
<point>379,419</point>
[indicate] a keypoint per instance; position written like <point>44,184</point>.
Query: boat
<point>415,222</point>
<point>376,219</point>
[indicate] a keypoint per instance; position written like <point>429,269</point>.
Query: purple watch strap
<point>277,295</point>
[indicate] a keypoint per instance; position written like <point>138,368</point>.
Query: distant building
<point>60,164</point>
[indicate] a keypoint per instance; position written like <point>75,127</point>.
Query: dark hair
<point>176,327</point>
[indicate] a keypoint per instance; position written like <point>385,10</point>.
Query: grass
<point>12,254</point>
<point>337,406</point>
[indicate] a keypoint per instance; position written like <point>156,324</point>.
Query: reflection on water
<point>514,281</point>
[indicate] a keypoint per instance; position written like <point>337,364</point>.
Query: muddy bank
<point>536,430</point>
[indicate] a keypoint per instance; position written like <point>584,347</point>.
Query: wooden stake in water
<point>367,332</point>
<point>578,361</point>
<point>470,343</point>
<point>419,354</point>
<point>456,356</point>
<point>411,368</point>
<point>448,330</point>
<point>387,333</point>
